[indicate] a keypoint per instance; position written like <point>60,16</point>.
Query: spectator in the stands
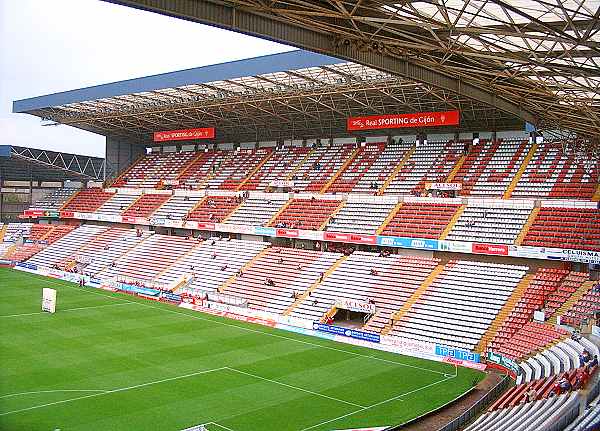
<point>576,336</point>
<point>532,395</point>
<point>315,302</point>
<point>564,384</point>
<point>240,273</point>
<point>321,277</point>
<point>299,267</point>
<point>593,362</point>
<point>223,268</point>
<point>373,271</point>
<point>186,198</point>
<point>580,378</point>
<point>214,255</point>
<point>280,261</point>
<point>561,386</point>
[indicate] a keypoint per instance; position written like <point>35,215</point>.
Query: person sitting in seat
<point>580,379</point>
<point>214,255</point>
<point>269,281</point>
<point>592,363</point>
<point>224,267</point>
<point>373,271</point>
<point>280,261</point>
<point>562,386</point>
<point>532,395</point>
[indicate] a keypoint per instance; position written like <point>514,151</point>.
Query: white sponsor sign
<point>281,183</point>
<point>354,305</point>
<point>443,186</point>
<point>539,316</point>
<point>49,300</point>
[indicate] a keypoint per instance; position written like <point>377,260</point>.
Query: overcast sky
<point>51,46</point>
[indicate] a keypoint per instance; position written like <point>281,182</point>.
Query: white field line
<point>112,391</point>
<point>296,388</point>
<point>378,404</point>
<point>68,309</point>
<point>192,316</point>
<point>51,391</point>
<point>219,425</point>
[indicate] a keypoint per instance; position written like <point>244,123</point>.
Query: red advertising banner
<point>184,134</point>
<point>349,237</point>
<point>67,214</point>
<point>498,249</point>
<point>397,121</point>
<point>287,233</point>
<point>206,226</point>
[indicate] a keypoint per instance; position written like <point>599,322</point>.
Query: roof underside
<point>25,164</point>
<point>312,101</point>
<point>535,59</point>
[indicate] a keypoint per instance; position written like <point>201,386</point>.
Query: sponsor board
<point>287,233</point>
<point>281,183</point>
<point>455,246</point>
<point>585,256</point>
<point>26,265</point>
<point>495,249</point>
<point>395,121</point>
<point>184,134</point>
<point>503,362</point>
<point>264,231</point>
<point>460,354</point>
<point>347,332</point>
<point>349,237</point>
<point>235,228</point>
<point>393,241</point>
<point>443,186</point>
<point>171,297</point>
<point>354,305</point>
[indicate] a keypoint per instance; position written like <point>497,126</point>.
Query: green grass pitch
<point>108,361</point>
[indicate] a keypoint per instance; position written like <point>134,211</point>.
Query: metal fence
<point>476,408</point>
<point>466,416</point>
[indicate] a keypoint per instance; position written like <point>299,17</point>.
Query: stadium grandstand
<point>29,175</point>
<point>395,227</point>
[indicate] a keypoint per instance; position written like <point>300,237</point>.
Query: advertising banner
<point>393,241</point>
<point>452,352</point>
<point>185,134</point>
<point>346,332</point>
<point>495,249</point>
<point>287,233</point>
<point>443,186</point>
<point>585,256</point>
<point>171,297</point>
<point>281,183</point>
<point>396,121</point>
<point>350,237</point>
<point>354,305</point>
<point>504,362</point>
<point>264,231</point>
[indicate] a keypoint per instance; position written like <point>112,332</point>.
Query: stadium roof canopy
<point>25,164</point>
<point>534,59</point>
<point>291,95</point>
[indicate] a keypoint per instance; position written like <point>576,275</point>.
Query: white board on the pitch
<point>49,300</point>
